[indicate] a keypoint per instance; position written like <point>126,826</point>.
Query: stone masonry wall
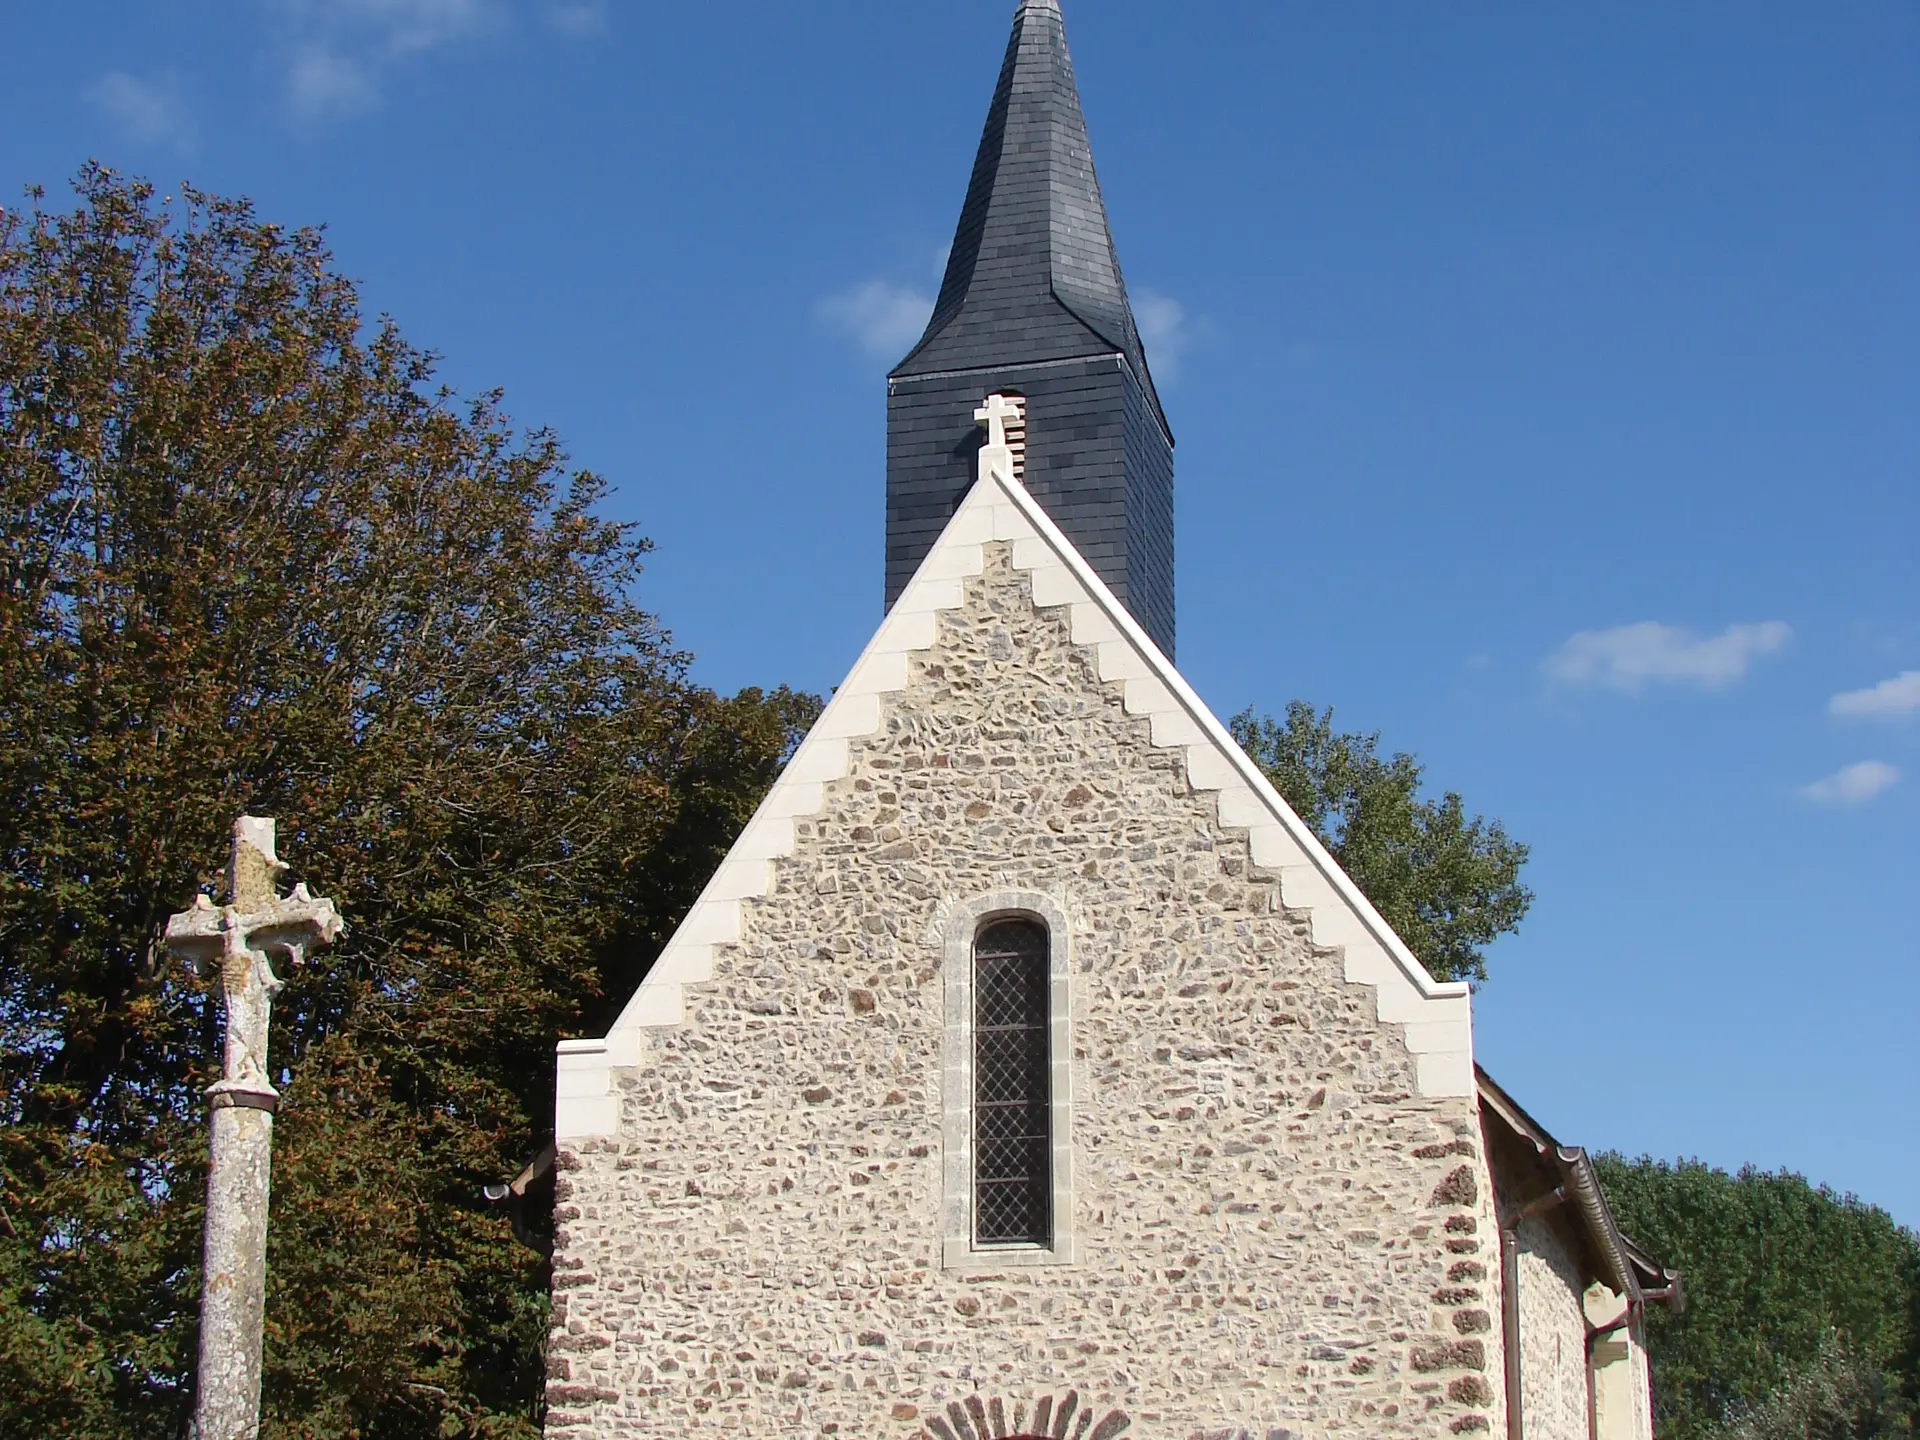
<point>1275,1236</point>
<point>1553,1334</point>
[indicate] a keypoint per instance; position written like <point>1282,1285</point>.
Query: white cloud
<point>884,319</point>
<point>1629,657</point>
<point>339,48</point>
<point>153,110</point>
<point>1853,784</point>
<point>577,17</point>
<point>321,82</point>
<point>401,27</point>
<point>1898,696</point>
<point>1164,330</point>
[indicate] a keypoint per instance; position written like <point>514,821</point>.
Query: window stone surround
<point>964,922</point>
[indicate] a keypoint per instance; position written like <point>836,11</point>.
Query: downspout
<point>1510,1300</point>
<point>1600,1332</point>
<point>1672,1295</point>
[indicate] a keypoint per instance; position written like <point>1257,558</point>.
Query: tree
<point>1803,1306</point>
<point>254,559</point>
<point>1834,1397</point>
<point>1448,885</point>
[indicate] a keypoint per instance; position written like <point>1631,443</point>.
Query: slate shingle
<point>1033,304</point>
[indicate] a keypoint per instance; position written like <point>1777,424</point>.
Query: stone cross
<point>994,413</point>
<point>239,938</point>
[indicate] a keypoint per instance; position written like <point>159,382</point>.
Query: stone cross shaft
<point>238,940</point>
<point>994,413</point>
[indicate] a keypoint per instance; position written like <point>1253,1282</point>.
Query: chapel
<point>1028,1068</point>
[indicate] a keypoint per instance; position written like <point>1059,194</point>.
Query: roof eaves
<point>1592,1204</point>
<point>1582,1182</point>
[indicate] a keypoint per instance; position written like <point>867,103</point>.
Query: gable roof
<point>1436,1015</point>
<point>1032,275</point>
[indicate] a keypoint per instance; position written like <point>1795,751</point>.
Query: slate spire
<point>1033,304</point>
<point>1032,274</point>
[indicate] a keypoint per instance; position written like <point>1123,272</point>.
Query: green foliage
<point>1448,885</point>
<point>1800,1302</point>
<point>1835,1397</point>
<point>254,561</point>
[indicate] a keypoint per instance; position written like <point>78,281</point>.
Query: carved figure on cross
<point>994,413</point>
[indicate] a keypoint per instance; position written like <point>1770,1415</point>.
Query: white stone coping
<point>1436,1015</point>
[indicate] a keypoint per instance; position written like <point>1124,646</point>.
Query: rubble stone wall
<point>1553,1333</point>
<point>1275,1236</point>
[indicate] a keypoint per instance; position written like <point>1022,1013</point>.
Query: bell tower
<point>1033,305</point>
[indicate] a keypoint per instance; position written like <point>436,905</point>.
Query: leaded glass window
<point>1012,1122</point>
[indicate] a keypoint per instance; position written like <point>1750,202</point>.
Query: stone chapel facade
<point>1028,1068</point>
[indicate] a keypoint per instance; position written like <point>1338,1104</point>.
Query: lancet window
<point>1012,1060</point>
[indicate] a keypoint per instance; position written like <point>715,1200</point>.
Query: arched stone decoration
<point>1046,1418</point>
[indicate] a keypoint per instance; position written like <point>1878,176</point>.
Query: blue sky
<point>1544,377</point>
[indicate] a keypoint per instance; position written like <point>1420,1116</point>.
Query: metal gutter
<point>1578,1175</point>
<point>1621,1263</point>
<point>1600,1226</point>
